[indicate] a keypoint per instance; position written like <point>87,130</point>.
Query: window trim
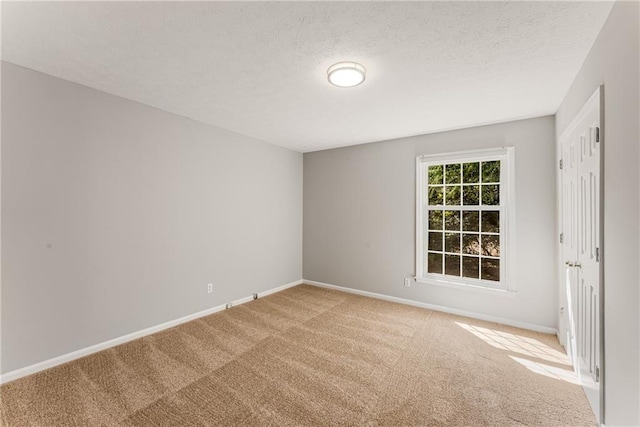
<point>507,219</point>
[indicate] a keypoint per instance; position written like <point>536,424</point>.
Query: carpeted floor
<point>311,356</point>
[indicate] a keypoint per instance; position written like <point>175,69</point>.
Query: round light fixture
<point>346,74</point>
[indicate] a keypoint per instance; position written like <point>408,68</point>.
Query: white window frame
<point>507,218</point>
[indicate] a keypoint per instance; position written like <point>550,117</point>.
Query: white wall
<point>359,219</point>
<point>613,61</point>
<point>116,215</point>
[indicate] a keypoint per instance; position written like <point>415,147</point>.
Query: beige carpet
<point>311,356</point>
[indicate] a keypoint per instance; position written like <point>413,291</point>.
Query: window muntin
<point>462,218</point>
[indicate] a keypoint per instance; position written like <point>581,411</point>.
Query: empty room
<point>320,213</point>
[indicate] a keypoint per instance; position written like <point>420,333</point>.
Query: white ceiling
<point>259,69</point>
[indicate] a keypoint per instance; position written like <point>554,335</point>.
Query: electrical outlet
<point>407,282</point>
<point>209,288</point>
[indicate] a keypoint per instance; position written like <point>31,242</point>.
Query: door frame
<point>597,96</point>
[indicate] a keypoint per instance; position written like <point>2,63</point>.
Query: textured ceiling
<point>259,69</point>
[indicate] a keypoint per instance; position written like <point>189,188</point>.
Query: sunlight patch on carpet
<point>517,344</point>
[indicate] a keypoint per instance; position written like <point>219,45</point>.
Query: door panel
<point>589,270</point>
<point>573,292</point>
<point>581,227</point>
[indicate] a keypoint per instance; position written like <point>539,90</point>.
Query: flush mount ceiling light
<point>346,74</point>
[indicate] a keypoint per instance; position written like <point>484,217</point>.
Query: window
<point>463,217</point>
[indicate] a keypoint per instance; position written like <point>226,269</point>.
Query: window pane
<point>471,244</point>
<point>471,172</point>
<point>470,267</point>
<point>435,241</point>
<point>452,242</point>
<point>490,245</point>
<point>452,265</point>
<point>491,221</point>
<point>491,195</point>
<point>491,269</point>
<point>435,220</point>
<point>461,212</point>
<point>452,220</point>
<point>435,195</point>
<point>434,263</point>
<point>435,174</point>
<point>452,174</point>
<point>471,194</point>
<point>491,171</point>
<point>470,221</point>
<point>453,195</point>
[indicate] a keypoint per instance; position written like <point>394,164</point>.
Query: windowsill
<point>466,286</point>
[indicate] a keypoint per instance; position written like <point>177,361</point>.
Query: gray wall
<point>359,219</point>
<point>116,215</point>
<point>613,61</point>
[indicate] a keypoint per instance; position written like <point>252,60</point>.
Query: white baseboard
<point>281,288</point>
<point>464,313</point>
<point>50,363</point>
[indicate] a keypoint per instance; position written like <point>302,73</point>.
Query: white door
<point>569,238</point>
<point>581,250</point>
